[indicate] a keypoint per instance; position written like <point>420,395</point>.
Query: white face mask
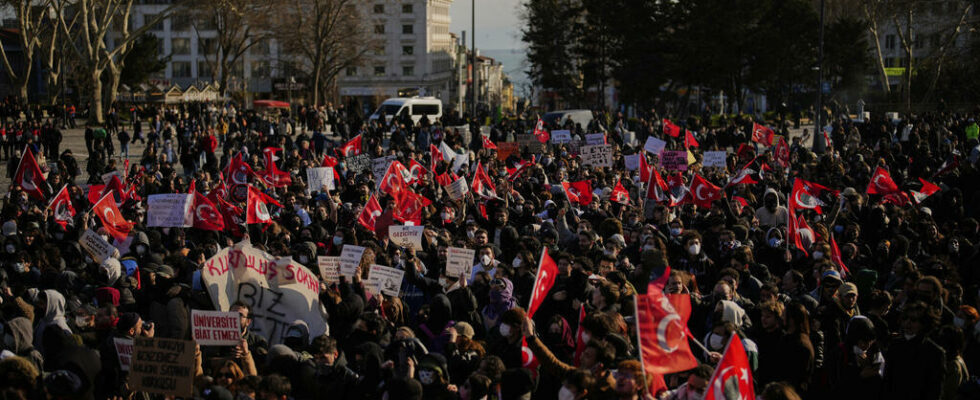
<point>427,377</point>
<point>908,336</point>
<point>608,252</point>
<point>516,263</point>
<point>446,216</point>
<point>565,394</point>
<point>586,338</point>
<point>775,242</point>
<point>817,255</point>
<point>857,350</point>
<point>675,231</point>
<point>337,240</point>
<point>470,234</point>
<point>81,322</point>
<point>485,260</point>
<point>11,248</point>
<point>303,259</point>
<point>694,250</point>
<point>716,341</point>
<point>504,330</point>
<point>959,322</point>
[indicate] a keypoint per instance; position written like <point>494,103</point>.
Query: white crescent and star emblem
<point>28,181</point>
<point>527,355</point>
<point>662,332</point>
<point>805,200</point>
<point>205,212</point>
<point>108,214</point>
<point>697,192</point>
<point>61,211</point>
<point>239,176</point>
<point>261,211</point>
<point>878,184</point>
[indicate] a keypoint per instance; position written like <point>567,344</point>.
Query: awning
<point>270,104</point>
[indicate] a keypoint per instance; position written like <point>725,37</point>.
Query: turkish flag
<point>732,378</point>
<point>435,157</point>
<point>370,213</point>
<point>115,187</point>
<point>112,219</point>
<point>835,256</point>
<point>206,215</point>
<point>393,182</point>
<point>670,129</point>
<point>704,192</point>
<point>762,134</point>
<point>656,187</point>
<point>799,232</point>
<point>782,153</point>
<point>663,331</point>
<point>487,144</point>
<point>540,133</point>
<point>269,153</point>
<point>545,279</point>
<point>238,170</point>
<point>689,140</point>
<point>513,173</point>
<point>230,213</point>
<point>272,175</point>
<point>578,192</point>
<point>744,176</point>
<point>258,207</point>
<point>409,207</point>
<point>805,195</point>
<point>221,189</point>
<point>418,173</point>
<point>619,194</point>
<point>64,211</point>
<point>332,162</point>
<point>928,189</point>
<point>679,192</point>
<point>644,168</point>
<point>527,356</point>
<point>482,185</point>
<point>28,175</point>
<point>351,148</point>
<point>881,182</point>
<point>579,341</point>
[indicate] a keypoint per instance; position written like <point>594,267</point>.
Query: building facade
<point>415,54</point>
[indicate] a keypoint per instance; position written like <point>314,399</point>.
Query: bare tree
<point>239,25</point>
<point>30,15</point>
<point>325,37</point>
<point>874,12</point>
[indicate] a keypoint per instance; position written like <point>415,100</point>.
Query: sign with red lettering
<point>279,291</point>
<point>216,328</point>
<point>124,350</point>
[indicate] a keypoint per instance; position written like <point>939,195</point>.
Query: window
<point>408,50</point>
<point>204,70</point>
<point>408,29</point>
<point>379,51</point>
<point>379,8</point>
<point>379,28</point>
<point>207,45</point>
<point>890,42</point>
<point>180,23</point>
<point>379,71</point>
<point>408,70</point>
<point>148,19</point>
<point>407,9</point>
<point>261,48</point>
<point>351,71</point>
<point>260,69</point>
<point>425,109</point>
<point>180,46</point>
<point>205,24</point>
<point>182,69</point>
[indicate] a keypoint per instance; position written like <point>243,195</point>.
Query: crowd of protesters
<point>899,322</point>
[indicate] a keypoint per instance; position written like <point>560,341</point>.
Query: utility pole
<point>819,145</point>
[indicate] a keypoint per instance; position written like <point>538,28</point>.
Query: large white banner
<point>172,210</point>
<point>278,290</point>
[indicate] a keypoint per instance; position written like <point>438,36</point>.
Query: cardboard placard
<point>216,328</point>
<point>329,268</point>
<point>458,189</point>
<point>505,149</point>
<point>164,366</point>
<point>95,246</point>
<point>632,162</point>
<point>171,210</point>
<point>597,156</point>
<point>124,351</point>
<point>715,159</point>
<point>380,166</point>
<point>654,145</point>
<point>406,236</point>
<point>595,139</point>
<point>459,261</point>
<point>674,160</point>
<point>385,280</point>
<point>316,178</point>
<point>531,143</point>
<point>278,290</point>
<point>561,136</point>
<point>350,258</point>
<point>358,163</point>
<point>106,177</point>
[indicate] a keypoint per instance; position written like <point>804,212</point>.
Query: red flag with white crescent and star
<point>541,133</point>
<point>732,378</point>
<point>370,213</point>
<point>64,211</point>
<point>762,134</point>
<point>928,189</point>
<point>805,195</point>
<point>28,175</point>
<point>206,215</point>
<point>238,171</point>
<point>351,148</point>
<point>545,279</point>
<point>112,219</point>
<point>258,207</point>
<point>881,183</point>
<point>703,192</point>
<point>670,129</point>
<point>663,332</point>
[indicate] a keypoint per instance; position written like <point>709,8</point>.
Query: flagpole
<point>701,346</point>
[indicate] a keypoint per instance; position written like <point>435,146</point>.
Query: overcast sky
<point>497,24</point>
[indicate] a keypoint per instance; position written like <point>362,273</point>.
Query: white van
<point>415,106</point>
<point>557,119</point>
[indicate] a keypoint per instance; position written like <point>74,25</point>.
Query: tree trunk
<point>316,82</point>
<point>115,74</point>
<point>95,103</point>
<point>880,59</point>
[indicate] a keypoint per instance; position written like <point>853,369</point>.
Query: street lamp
<point>819,145</point>
<point>289,88</point>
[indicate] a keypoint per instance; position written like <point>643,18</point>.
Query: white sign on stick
<point>216,328</point>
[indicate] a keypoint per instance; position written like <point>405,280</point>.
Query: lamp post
<point>52,17</point>
<point>289,89</point>
<point>819,145</point>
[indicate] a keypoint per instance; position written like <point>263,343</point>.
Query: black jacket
<point>914,369</point>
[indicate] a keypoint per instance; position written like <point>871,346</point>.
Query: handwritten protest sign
<point>329,268</point>
<point>164,366</point>
<point>531,143</point>
<point>317,178</point>
<point>674,160</point>
<point>714,159</point>
<point>278,291</point>
<point>380,165</point>
<point>561,136</point>
<point>595,139</point>
<point>124,351</point>
<point>216,328</point>
<point>96,247</point>
<point>106,177</point>
<point>385,280</point>
<point>459,261</point>
<point>632,162</point>
<point>654,145</point>
<point>171,210</point>
<point>457,189</point>
<point>505,149</point>
<point>350,258</point>
<point>406,236</point>
<point>597,156</point>
<point>358,163</point>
